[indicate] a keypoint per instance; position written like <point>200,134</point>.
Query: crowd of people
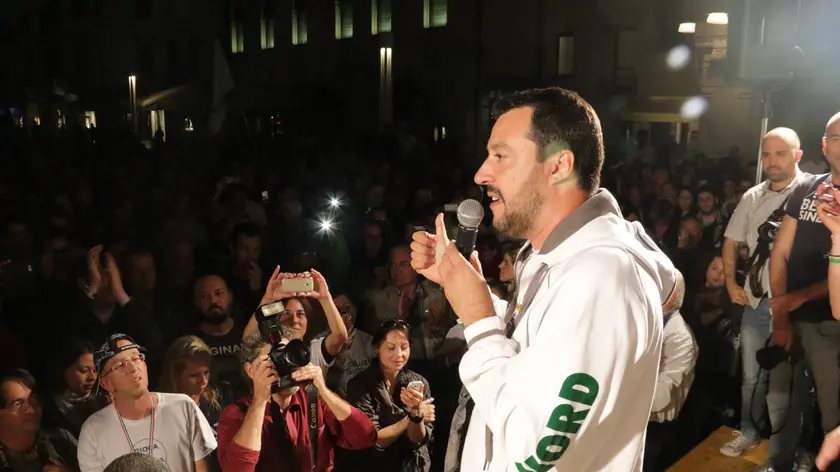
<point>133,279</point>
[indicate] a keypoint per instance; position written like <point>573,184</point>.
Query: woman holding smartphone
<point>398,402</point>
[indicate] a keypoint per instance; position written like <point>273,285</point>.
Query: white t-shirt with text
<point>182,435</point>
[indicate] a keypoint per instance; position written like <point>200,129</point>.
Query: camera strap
<point>758,259</point>
<point>312,415</point>
<point>767,345</point>
<point>311,418</point>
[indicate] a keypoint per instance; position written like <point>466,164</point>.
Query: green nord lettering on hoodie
<point>565,422</point>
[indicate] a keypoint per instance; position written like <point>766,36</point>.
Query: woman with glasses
<point>398,402</point>
<point>186,369</point>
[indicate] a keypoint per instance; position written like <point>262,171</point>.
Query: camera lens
<point>296,354</point>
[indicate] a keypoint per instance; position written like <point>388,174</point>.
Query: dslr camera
<point>768,230</point>
<point>286,355</point>
<point>769,357</point>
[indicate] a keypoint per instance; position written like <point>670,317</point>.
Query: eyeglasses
<point>122,365</point>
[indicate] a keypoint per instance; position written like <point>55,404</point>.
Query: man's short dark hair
<point>248,230</point>
<point>562,120</point>
<point>20,376</point>
<point>253,344</point>
<point>137,462</point>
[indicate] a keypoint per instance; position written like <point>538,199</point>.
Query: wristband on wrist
<point>415,419</point>
<point>834,259</point>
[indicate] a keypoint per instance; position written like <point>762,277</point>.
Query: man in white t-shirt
<point>172,423</point>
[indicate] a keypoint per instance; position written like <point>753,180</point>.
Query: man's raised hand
<point>427,250</point>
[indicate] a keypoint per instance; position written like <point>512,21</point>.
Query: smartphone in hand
<point>417,386</point>
<point>300,284</point>
<point>825,193</point>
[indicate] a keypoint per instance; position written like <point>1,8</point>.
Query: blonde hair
<point>186,349</point>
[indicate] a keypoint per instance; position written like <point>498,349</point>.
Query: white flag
<point>222,84</point>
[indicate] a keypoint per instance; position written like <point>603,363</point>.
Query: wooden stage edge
<point>706,457</point>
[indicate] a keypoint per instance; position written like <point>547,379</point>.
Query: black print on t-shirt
<point>353,367</point>
<point>142,447</point>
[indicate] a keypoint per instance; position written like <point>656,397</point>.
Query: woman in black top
<point>403,416</point>
<point>71,387</point>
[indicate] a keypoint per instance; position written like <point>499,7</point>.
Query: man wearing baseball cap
<point>167,426</point>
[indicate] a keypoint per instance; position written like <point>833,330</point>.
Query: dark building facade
<point>432,67</point>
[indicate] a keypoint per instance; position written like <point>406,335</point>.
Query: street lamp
<point>717,18</point>
<point>687,28</point>
<point>132,100</point>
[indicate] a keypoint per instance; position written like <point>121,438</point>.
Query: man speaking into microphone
<point>563,378</point>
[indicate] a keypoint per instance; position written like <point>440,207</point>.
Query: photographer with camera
<point>293,312</point>
<point>301,423</point>
<point>799,263</point>
<point>754,223</point>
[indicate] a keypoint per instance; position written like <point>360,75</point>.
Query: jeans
<point>755,329</point>
<point>764,392</point>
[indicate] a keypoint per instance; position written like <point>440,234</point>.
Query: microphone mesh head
<point>470,213</point>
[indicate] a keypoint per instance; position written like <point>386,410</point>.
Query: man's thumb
<point>476,262</point>
<point>440,230</point>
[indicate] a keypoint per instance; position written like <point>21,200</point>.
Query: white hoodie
<point>572,389</point>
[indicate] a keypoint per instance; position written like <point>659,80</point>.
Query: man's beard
<point>215,317</point>
<point>520,210</point>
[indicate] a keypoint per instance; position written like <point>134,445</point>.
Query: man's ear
<point>561,167</point>
<point>103,384</point>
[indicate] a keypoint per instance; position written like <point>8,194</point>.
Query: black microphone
<point>470,214</point>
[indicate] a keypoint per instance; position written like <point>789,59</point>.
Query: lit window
<point>380,16</point>
<point>439,133</point>
<point>90,119</point>
<point>565,55</point>
<point>434,13</point>
<point>343,19</point>
<point>267,29</point>
<point>237,36</point>
<point>298,27</point>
